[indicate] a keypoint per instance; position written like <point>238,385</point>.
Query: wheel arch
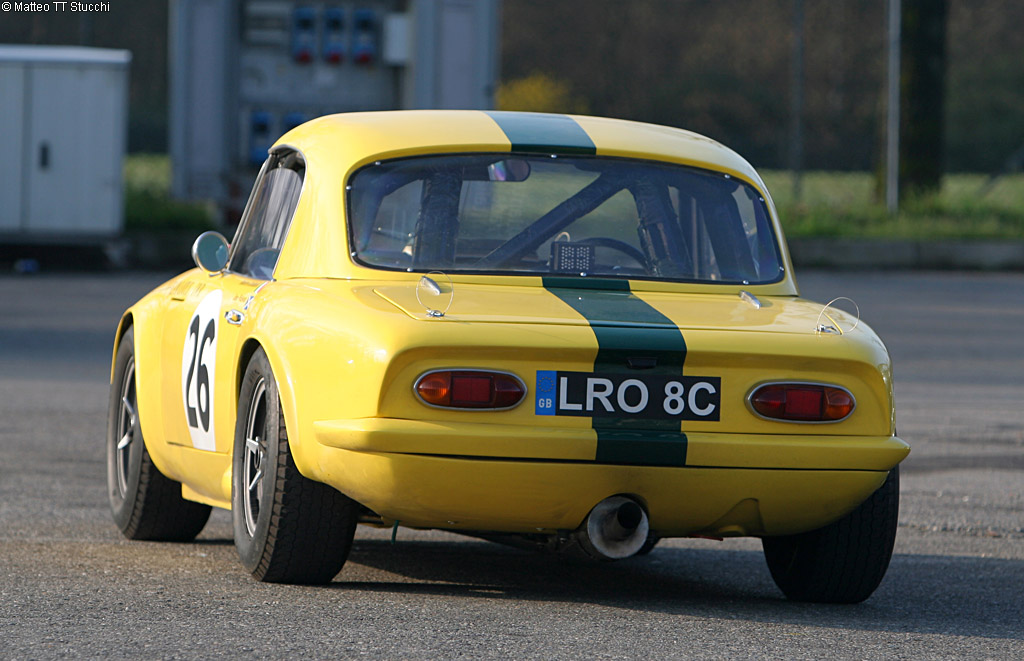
<point>289,405</point>
<point>127,321</point>
<point>145,319</point>
<point>147,391</point>
<point>245,354</point>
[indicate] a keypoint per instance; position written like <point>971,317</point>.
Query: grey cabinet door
<point>73,165</point>
<point>12,128</point>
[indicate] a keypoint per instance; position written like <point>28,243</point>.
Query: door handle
<point>234,317</point>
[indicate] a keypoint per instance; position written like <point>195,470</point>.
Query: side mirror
<point>210,252</point>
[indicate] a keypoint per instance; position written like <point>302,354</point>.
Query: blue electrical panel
<point>284,62</point>
<point>334,40</point>
<point>364,42</point>
<point>261,136</point>
<point>291,120</point>
<point>303,34</point>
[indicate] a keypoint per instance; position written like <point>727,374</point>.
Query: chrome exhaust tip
<point>616,528</point>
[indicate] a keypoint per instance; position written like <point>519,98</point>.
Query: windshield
<point>542,215</point>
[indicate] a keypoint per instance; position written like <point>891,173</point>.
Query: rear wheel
<point>145,503</point>
<point>844,561</point>
<point>288,528</point>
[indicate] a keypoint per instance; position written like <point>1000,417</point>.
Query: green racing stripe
<point>627,327</point>
<point>546,134</point>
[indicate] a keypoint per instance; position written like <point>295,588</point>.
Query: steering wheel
<point>616,244</point>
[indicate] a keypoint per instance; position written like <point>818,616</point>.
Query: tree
<point>922,95</point>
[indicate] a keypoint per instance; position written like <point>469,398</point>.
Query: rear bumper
<point>389,435</point>
<point>497,478</point>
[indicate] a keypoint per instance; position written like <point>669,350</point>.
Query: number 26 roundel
<point>198,370</point>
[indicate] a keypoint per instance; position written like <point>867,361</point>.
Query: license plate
<point>605,395</point>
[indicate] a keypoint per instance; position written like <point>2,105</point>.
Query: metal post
<point>85,29</point>
<point>796,110</point>
<point>892,152</point>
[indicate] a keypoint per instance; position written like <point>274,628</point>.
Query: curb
<point>172,250</point>
<point>961,254</point>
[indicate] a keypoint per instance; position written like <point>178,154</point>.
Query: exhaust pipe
<point>616,528</point>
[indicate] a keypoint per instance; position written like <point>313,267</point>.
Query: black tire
<point>845,561</point>
<point>145,503</point>
<point>288,528</point>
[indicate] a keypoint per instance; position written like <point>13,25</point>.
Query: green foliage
<point>539,92</point>
<point>723,69</point>
<point>832,204</point>
<point>983,119</point>
<point>843,204</point>
<point>147,201</point>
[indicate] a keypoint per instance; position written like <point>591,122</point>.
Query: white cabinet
<point>12,121</point>
<point>63,119</point>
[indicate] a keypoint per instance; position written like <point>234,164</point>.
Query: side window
<point>261,234</point>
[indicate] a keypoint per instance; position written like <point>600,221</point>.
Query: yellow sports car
<point>578,333</point>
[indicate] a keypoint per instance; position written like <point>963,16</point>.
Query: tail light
<point>802,402</point>
<point>470,389</point>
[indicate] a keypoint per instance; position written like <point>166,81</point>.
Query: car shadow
<point>927,594</point>
<point>227,541</point>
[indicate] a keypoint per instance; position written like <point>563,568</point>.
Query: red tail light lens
<point>470,389</point>
<point>802,402</point>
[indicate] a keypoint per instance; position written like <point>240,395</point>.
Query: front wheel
<point>288,528</point>
<point>843,562</point>
<point>145,503</point>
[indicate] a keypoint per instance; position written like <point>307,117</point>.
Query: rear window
<point>564,215</point>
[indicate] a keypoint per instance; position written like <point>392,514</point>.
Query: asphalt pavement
<point>71,586</point>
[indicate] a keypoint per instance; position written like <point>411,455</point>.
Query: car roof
<point>335,146</point>
<point>356,138</point>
